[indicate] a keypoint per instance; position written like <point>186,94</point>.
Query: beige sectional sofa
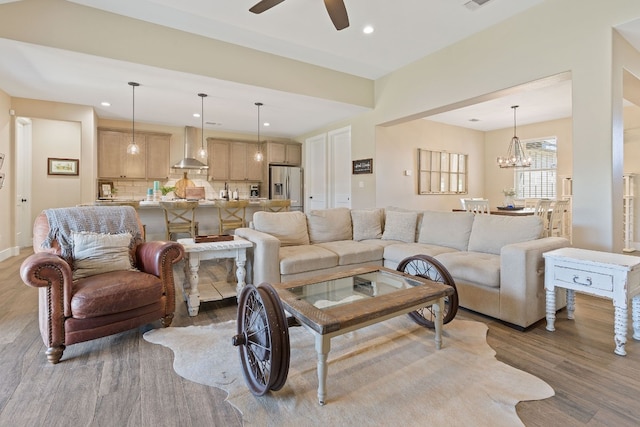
<point>496,261</point>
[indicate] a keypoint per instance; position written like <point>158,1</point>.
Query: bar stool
<point>231,214</point>
<point>280,205</point>
<point>180,217</point>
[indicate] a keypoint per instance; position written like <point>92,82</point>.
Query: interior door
<point>315,172</point>
<point>23,182</point>
<point>340,168</point>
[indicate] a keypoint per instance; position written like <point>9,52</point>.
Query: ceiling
<point>300,30</point>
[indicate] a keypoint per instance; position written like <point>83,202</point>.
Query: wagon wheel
<point>283,330</point>
<point>261,341</point>
<point>429,268</point>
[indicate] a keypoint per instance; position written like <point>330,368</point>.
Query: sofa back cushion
<point>289,227</point>
<point>329,225</point>
<point>449,229</point>
<point>491,232</point>
<point>399,225</point>
<point>367,224</point>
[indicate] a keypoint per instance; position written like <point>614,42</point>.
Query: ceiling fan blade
<point>263,5</point>
<point>337,13</point>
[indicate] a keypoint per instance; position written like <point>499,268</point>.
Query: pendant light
<point>258,156</point>
<point>516,155</point>
<point>133,148</point>
<point>202,153</point>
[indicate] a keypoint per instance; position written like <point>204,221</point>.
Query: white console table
<point>196,252</point>
<point>603,274</point>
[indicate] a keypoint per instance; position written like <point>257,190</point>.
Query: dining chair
<point>557,219</point>
<point>543,209</point>
<point>280,205</point>
<point>180,217</point>
<point>231,214</point>
<point>477,206</point>
<point>530,203</point>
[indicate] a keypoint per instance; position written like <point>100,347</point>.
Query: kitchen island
<point>152,216</point>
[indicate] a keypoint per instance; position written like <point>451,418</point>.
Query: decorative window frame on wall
<point>441,172</point>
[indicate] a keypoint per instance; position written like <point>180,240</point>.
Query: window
<point>442,172</point>
<point>539,180</point>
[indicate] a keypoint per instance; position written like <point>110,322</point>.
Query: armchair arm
<point>52,275</point>
<point>522,295</point>
<point>264,256</point>
<point>157,258</point>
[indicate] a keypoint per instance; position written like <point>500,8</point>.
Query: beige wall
<point>397,151</point>
<point>58,139</point>
<point>7,234</point>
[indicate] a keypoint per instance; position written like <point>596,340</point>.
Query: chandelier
<point>516,156</point>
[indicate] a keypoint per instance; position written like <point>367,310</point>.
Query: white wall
<point>57,139</point>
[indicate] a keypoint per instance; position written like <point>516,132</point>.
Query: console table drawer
<point>588,279</point>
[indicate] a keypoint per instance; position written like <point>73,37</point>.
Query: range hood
<point>190,141</point>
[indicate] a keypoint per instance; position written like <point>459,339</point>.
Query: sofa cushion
<point>352,252</point>
<point>367,224</point>
<point>399,251</point>
<point>96,253</point>
<point>450,229</point>
<point>474,267</point>
<point>400,226</point>
<point>289,227</point>
<point>328,225</point>
<point>491,232</point>
<point>114,292</point>
<point>298,259</point>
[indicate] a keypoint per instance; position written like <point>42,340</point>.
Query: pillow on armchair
<point>96,253</point>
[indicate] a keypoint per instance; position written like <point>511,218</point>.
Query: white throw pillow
<point>289,227</point>
<point>96,253</point>
<point>367,224</point>
<point>329,225</point>
<point>400,226</point>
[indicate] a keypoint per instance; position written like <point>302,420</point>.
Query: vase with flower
<point>509,194</point>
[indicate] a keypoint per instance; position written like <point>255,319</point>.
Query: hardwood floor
<point>124,381</point>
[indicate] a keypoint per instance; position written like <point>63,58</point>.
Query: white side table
<point>196,252</point>
<point>602,274</point>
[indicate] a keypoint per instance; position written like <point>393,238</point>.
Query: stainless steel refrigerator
<point>285,182</point>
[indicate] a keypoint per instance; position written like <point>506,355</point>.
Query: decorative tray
<point>510,208</point>
<point>213,238</point>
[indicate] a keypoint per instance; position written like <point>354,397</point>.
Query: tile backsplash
<point>137,189</point>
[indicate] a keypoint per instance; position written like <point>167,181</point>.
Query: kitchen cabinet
<point>242,163</point>
<point>218,159</point>
<point>284,154</point>
<point>114,162</point>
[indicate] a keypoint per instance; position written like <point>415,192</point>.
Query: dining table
<point>507,212</point>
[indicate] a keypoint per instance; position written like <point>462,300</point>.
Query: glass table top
<point>346,290</point>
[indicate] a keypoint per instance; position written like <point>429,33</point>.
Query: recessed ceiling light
<point>474,120</point>
<point>105,104</point>
<point>368,29</point>
<point>266,124</point>
<point>196,114</point>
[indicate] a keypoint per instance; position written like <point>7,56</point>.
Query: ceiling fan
<point>336,9</point>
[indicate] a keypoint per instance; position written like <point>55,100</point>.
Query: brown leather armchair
<point>73,311</point>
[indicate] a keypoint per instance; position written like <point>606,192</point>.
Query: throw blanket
<point>97,219</point>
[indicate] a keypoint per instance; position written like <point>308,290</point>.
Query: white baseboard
<point>9,252</point>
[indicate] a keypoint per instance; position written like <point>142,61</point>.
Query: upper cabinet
<point>284,153</point>
<point>233,161</point>
<point>218,159</point>
<point>151,163</point>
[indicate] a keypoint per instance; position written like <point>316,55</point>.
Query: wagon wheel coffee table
<point>333,305</point>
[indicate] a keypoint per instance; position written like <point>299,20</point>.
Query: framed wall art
<point>57,166</point>
<point>362,166</point>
